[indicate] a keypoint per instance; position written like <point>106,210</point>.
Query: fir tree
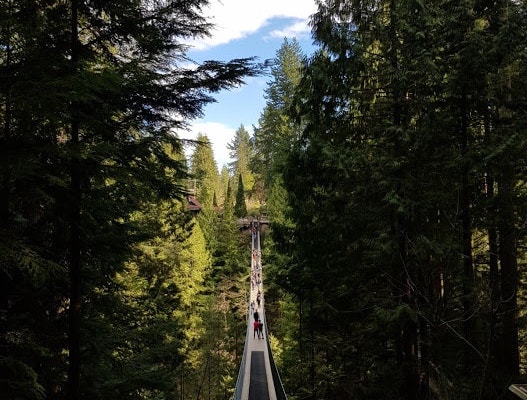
<point>240,209</point>
<point>241,151</point>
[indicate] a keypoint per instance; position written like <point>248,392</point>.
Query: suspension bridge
<point>258,377</point>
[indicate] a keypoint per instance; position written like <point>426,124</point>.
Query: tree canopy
<point>91,93</point>
<point>390,163</point>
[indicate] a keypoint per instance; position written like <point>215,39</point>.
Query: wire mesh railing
<point>238,389</point>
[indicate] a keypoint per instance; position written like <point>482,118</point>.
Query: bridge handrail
<point>277,381</point>
<point>238,389</point>
<point>239,381</point>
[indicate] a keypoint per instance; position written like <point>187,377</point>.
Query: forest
<point>391,164</point>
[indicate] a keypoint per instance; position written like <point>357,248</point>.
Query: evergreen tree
<point>228,257</point>
<point>224,183</point>
<point>276,130</point>
<point>240,209</point>
<point>164,287</point>
<point>228,312</point>
<point>505,33</point>
<point>98,88</point>
<point>241,151</point>
<point>205,172</point>
<point>384,186</point>
<point>274,137</point>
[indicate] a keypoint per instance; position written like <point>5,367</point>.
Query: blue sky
<point>245,28</point>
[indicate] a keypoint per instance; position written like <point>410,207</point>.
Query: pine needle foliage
<point>399,112</point>
<point>91,93</point>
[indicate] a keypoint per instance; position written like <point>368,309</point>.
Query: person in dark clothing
<point>256,316</point>
<point>260,330</point>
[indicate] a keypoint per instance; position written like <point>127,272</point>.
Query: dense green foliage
<point>90,174</point>
<point>275,128</point>
<point>204,172</point>
<point>241,151</point>
<point>240,208</point>
<point>406,193</point>
<point>390,163</point>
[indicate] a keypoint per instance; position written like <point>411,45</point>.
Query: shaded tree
<point>92,91</point>
<point>240,209</point>
<point>384,181</point>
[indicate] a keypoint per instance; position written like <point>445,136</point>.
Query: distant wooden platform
<point>246,222</point>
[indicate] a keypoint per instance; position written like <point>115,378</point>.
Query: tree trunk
<point>509,274</point>
<point>466,238</point>
<point>407,357</point>
<point>74,220</point>
<point>5,188</point>
<point>489,379</point>
<point>507,254</point>
<point>424,339</point>
<point>494,286</point>
<point>312,347</point>
<point>6,167</point>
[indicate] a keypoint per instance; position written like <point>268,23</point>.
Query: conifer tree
<point>274,136</point>
<point>385,178</point>
<point>275,129</point>
<point>228,256</point>
<point>99,86</point>
<point>163,287</point>
<point>241,152</point>
<point>224,183</point>
<point>240,209</point>
<point>205,171</point>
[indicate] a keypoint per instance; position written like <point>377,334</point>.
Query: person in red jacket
<point>256,326</point>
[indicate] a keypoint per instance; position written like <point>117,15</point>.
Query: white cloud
<point>219,135</point>
<point>297,30</point>
<point>234,19</point>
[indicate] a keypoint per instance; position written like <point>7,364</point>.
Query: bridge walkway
<point>258,377</point>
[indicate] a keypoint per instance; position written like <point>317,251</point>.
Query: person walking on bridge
<point>260,330</point>
<point>256,331</point>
